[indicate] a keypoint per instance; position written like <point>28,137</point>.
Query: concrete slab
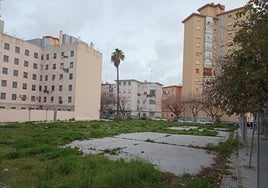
<point>168,153</point>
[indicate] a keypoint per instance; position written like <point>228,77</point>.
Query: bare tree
<point>211,109</point>
<point>107,102</point>
<point>195,103</point>
<point>175,105</point>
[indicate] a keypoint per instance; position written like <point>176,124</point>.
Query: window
<point>24,86</point>
<point>35,66</point>
<point>23,98</point>
<point>3,96</point>
<point>70,76</point>
<point>46,77</point>
<point>230,15</point>
<point>70,88</point>
<point>13,97</point>
<point>71,64</point>
<point>41,77</point>
<point>4,83</point>
<point>207,72</point>
<point>54,66</point>
<point>47,56</point>
<point>72,53</point>
<point>198,36</point>
<point>53,76</point>
<point>198,27</point>
<point>14,84</point>
<point>47,67</point>
<point>197,71</point>
<point>60,100</point>
<point>16,61</point>
<point>198,19</point>
<point>152,93</point>
<point>198,44</point>
<point>197,79</point>
<point>198,53</point>
<point>4,70</point>
<point>40,88</point>
<point>45,99</point>
<point>60,87</point>
<point>6,46</point>
<point>26,64</point>
<point>15,72</point>
<point>25,74</point>
<point>34,76</point>
<point>69,99</point>
<point>129,83</point>
<point>6,58</point>
<point>17,49</point>
<point>32,98</point>
<point>62,54</point>
<point>197,62</point>
<point>51,99</point>
<point>151,101</point>
<point>33,87</point>
<point>27,52</point>
<point>61,65</point>
<point>52,88</point>
<point>55,55</point>
<point>35,55</point>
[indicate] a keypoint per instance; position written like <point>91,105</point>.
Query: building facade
<point>137,99</point>
<point>208,36</point>
<point>49,73</point>
<point>171,99</point>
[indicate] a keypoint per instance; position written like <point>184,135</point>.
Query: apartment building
<point>171,102</point>
<point>139,99</point>
<point>50,73</point>
<point>208,36</point>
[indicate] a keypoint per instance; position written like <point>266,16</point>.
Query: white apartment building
<point>139,99</point>
<point>49,73</point>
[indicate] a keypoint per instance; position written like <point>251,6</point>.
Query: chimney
<point>60,38</point>
<point>2,26</point>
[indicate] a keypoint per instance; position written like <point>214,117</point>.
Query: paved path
<point>167,152</point>
<point>245,176</point>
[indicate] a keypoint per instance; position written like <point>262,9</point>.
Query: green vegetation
<point>32,155</point>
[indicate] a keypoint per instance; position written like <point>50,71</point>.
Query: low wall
<point>13,115</point>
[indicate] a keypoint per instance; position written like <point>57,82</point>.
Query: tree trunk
<point>117,82</point>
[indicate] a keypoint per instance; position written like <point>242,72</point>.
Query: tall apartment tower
<point>208,36</point>
<point>49,73</point>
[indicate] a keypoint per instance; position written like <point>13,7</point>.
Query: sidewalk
<point>241,174</point>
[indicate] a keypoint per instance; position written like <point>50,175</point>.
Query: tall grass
<point>32,155</point>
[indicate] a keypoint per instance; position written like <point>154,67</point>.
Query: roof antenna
<point>0,7</point>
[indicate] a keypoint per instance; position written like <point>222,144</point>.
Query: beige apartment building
<point>49,73</point>
<point>137,99</point>
<point>208,36</point>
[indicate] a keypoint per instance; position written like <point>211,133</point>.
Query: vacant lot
<point>32,155</point>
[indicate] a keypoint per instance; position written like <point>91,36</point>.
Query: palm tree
<point>116,58</point>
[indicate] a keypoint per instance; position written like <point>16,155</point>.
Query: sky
<point>149,32</point>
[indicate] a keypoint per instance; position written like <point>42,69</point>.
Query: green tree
<point>242,86</point>
<point>116,58</point>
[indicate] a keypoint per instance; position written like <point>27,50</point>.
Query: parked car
<point>204,121</point>
<point>159,119</point>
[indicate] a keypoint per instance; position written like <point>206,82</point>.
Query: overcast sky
<point>149,32</point>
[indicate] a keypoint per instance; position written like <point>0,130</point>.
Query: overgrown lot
<point>31,156</point>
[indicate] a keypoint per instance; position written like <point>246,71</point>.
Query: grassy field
<point>31,156</point>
